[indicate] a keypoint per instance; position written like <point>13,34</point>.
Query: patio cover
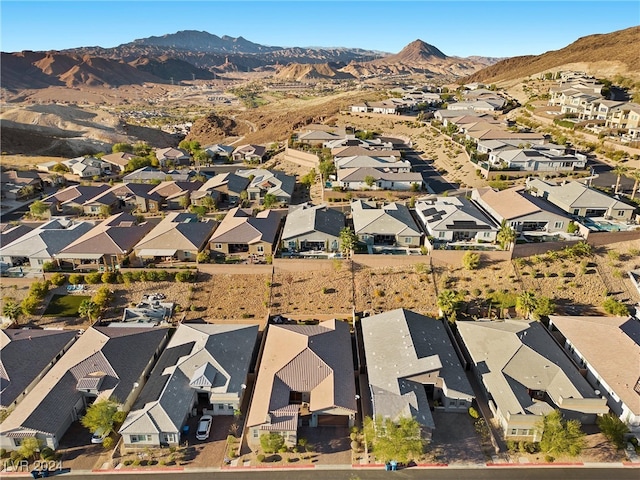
<point>157,252</point>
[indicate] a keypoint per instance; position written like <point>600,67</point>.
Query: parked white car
<point>204,427</point>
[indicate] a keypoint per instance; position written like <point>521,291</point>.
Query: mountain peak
<point>420,50</point>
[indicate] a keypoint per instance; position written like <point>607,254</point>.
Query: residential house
<point>240,233</point>
<point>138,197</point>
<point>70,200</point>
<point>118,160</point>
<point>526,375</point>
<point>172,157</point>
<point>104,363</point>
<point>367,178</point>
<point>179,236</point>
<point>306,378</point>
<point>42,244</point>
<point>219,151</point>
<point>521,211</point>
<point>107,245</point>
<point>391,164</point>
<point>580,200</point>
<point>312,227</point>
<point>10,232</point>
<point>411,365</point>
<point>87,167</point>
<point>591,343</point>
<point>204,367</point>
<point>390,224</point>
<point>250,153</point>
<point>155,176</point>
<point>224,188</point>
<point>455,219</point>
<point>43,348</point>
<point>359,150</point>
<point>538,158</point>
<point>20,184</point>
<point>176,195</point>
<point>316,137</point>
<point>264,182</point>
<point>499,134</point>
<point>353,141</point>
<point>103,204</point>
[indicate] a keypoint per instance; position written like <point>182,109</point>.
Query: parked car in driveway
<point>99,436</point>
<point>204,427</point>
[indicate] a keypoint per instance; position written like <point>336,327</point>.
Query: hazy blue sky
<point>458,28</point>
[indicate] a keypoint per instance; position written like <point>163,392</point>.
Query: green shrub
<point>93,278</point>
<point>47,453</point>
<point>109,277</point>
<point>614,307</point>
<point>76,279</point>
<point>549,459</point>
<point>39,290</point>
<point>108,443</point>
<point>30,304</point>
<point>58,279</point>
<point>260,458</point>
<point>185,276</point>
<point>127,462</point>
<point>473,413</point>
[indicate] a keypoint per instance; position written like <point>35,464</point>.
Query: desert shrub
<point>613,428</point>
<point>48,267</point>
<point>93,278</point>
<point>58,279</point>
<point>30,304</point>
<point>76,279</point>
<point>136,462</point>
<point>127,462</point>
<point>47,453</point>
<point>549,459</point>
<point>473,413</point>
<point>260,458</point>
<point>614,307</point>
<point>39,290</point>
<point>471,260</point>
<point>109,277</point>
<point>185,276</point>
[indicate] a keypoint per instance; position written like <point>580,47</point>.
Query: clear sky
<point>457,28</point>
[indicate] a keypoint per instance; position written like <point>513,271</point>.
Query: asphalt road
<point>607,179</point>
<point>448,473</point>
<point>431,177</point>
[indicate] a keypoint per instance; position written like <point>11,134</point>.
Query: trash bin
<point>44,472</point>
<point>35,474</point>
<point>387,467</point>
<point>394,465</point>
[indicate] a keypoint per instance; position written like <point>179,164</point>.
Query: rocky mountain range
<point>188,55</point>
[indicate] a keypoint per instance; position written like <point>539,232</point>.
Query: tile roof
<point>306,358</point>
<point>391,219</point>
<point>238,226</point>
<point>307,218</point>
<point>596,338</point>
<point>39,346</point>
<point>180,231</point>
<point>400,347</point>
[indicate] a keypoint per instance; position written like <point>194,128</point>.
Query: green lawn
<point>64,305</point>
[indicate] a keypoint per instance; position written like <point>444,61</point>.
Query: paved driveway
<point>78,453</point>
<point>455,439</point>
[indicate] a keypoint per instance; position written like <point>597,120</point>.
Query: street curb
<point>536,465</point>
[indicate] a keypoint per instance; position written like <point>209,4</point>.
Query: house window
<point>442,234</point>
<point>576,211</point>
<point>170,438</point>
<point>486,234</point>
<point>218,246</point>
<point>407,239</point>
<point>187,254</point>
<point>513,431</point>
<point>558,224</point>
<point>140,438</point>
<point>220,407</point>
<point>17,441</point>
<point>260,248</point>
<point>230,407</point>
<point>621,213</point>
<point>255,433</point>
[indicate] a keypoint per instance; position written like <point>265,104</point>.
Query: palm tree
<point>506,235</point>
<point>635,176</point>
<point>619,170</point>
<point>12,310</point>
<point>526,304</point>
<point>88,309</point>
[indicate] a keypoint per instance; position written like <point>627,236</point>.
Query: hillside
<point>303,72</point>
<point>609,53</point>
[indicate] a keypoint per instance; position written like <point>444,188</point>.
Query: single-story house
<point>306,378</point>
<point>359,150</point>
<point>224,188</point>
<point>154,175</point>
<point>204,367</point>
<point>107,244</point>
<point>367,178</point>
<point>10,232</point>
<point>521,211</point>
<point>42,244</point>
<point>250,153</point>
<point>20,184</point>
<point>240,233</point>
<point>43,348</point>
<point>87,167</point>
<point>578,199</point>
<point>218,150</point>
<point>138,197</point>
<point>70,200</point>
<point>172,157</point>
<point>104,363</point>
<point>591,343</point>
<point>118,160</point>
<point>455,219</point>
<point>390,224</point>
<point>263,182</point>
<point>526,375</point>
<point>106,202</point>
<point>538,158</point>
<point>178,236</point>
<point>390,164</point>
<point>174,192</point>
<point>312,227</point>
<point>411,364</point>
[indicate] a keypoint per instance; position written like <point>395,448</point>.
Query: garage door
<point>333,420</point>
